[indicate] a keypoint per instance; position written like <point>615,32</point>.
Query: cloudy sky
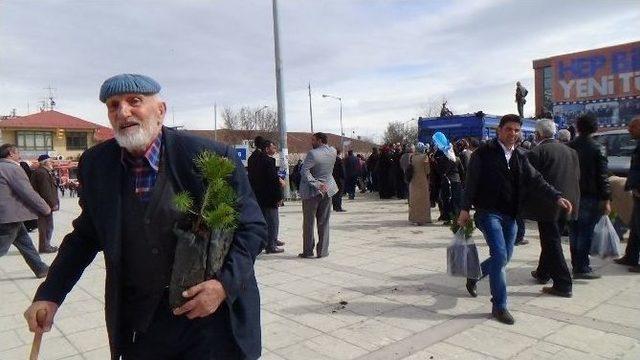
<point>388,60</point>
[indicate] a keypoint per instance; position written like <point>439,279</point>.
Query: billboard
<point>606,73</point>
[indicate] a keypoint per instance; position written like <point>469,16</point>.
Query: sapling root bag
<point>462,257</point>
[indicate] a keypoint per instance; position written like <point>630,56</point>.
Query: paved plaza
<point>383,293</point>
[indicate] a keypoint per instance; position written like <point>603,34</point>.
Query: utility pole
<point>282,123</point>
<point>215,121</point>
<point>310,108</point>
<point>51,102</point>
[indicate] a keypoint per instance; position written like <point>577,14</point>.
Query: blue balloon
<point>441,141</point>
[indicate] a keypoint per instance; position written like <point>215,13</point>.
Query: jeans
<point>582,232</point>
<point>500,234</point>
<point>16,234</point>
<point>271,216</point>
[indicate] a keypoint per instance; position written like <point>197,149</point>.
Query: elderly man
<point>564,136</point>
<point>595,195</point>
<point>632,252</point>
<point>316,189</point>
<point>19,203</point>
<point>559,167</point>
<point>44,183</point>
<point>499,175</point>
<point>128,184</point>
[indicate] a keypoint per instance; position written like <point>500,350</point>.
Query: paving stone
<point>616,314</point>
<point>322,347</point>
<point>9,340</point>
<point>547,351</point>
<point>595,342</point>
<point>499,343</point>
<point>444,351</point>
<point>371,334</point>
<point>285,333</point>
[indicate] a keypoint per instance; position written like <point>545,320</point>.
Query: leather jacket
<point>594,177</point>
<point>633,180</point>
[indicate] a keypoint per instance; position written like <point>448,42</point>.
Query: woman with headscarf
<point>419,197</point>
<point>450,169</point>
<point>383,169</point>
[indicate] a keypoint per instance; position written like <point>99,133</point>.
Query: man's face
<point>509,133</point>
<point>634,129</point>
<point>14,154</point>
<point>315,142</point>
<point>136,120</point>
<point>271,150</point>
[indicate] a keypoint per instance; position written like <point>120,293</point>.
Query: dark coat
<point>44,184</point>
<point>560,167</point>
<point>99,228</point>
<point>338,173</point>
<point>485,183</point>
<point>594,177</point>
<point>264,179</point>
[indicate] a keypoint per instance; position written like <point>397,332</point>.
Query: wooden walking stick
<point>37,337</point>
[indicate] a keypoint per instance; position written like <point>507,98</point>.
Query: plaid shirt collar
<point>152,156</point>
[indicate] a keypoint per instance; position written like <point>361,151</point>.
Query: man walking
<point>351,173</point>
<point>267,186</point>
<point>559,166</point>
<point>128,186</point>
<point>44,183</point>
<point>19,203</point>
<point>316,189</point>
<point>338,176</point>
<point>595,195</point>
<point>632,251</point>
<point>498,175</point>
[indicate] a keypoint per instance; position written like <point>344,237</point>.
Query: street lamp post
<point>341,128</point>
<point>282,123</point>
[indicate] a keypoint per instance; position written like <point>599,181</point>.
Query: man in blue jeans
<point>498,178</point>
<point>595,195</point>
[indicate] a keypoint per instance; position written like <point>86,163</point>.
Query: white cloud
<point>385,58</point>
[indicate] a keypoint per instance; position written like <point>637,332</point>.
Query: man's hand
<point>323,188</point>
<point>606,207</point>
<point>565,204</point>
<point>463,218</point>
<point>30,315</point>
<point>206,297</point>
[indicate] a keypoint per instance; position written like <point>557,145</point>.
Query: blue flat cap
<point>128,84</point>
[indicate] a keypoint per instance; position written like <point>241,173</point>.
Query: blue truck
<point>478,125</point>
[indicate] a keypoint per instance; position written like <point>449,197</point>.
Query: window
<point>34,140</point>
<point>547,92</point>
<point>76,141</point>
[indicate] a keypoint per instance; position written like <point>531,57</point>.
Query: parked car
<point>619,146</point>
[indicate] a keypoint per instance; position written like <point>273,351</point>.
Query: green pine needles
<point>218,209</point>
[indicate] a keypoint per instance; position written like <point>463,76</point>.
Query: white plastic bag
<point>605,242</point>
<point>462,257</point>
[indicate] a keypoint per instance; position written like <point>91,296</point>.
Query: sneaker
<point>472,287</point>
<point>586,276</point>
<point>550,290</point>
<point>503,316</point>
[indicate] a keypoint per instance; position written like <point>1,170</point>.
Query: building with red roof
<point>52,132</point>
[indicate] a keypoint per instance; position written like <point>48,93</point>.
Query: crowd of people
<point>128,213</point>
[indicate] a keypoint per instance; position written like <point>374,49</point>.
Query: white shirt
<point>507,152</point>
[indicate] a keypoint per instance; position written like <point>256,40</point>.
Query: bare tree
<point>258,119</point>
<point>401,132</point>
<point>432,107</point>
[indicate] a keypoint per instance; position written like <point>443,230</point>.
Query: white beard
<point>139,139</point>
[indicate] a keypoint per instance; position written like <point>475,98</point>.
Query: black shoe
<point>42,273</point>
<point>275,250</point>
<point>522,242</point>
<point>553,291</point>
<point>586,276</point>
<point>322,256</point>
<point>635,269</point>
<point>341,210</point>
<point>472,287</point>
<point>48,250</point>
<point>624,261</point>
<point>503,316</point>
<point>279,243</point>
<point>541,280</point>
<point>301,255</point>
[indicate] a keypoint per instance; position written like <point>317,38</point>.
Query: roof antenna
<point>51,103</point>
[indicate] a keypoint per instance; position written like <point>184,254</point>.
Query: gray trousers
<point>45,231</point>
<point>316,208</point>
<point>16,234</point>
<point>271,216</point>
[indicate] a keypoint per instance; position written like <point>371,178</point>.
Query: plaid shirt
<point>144,170</point>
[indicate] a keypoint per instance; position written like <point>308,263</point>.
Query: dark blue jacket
<point>99,227</point>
